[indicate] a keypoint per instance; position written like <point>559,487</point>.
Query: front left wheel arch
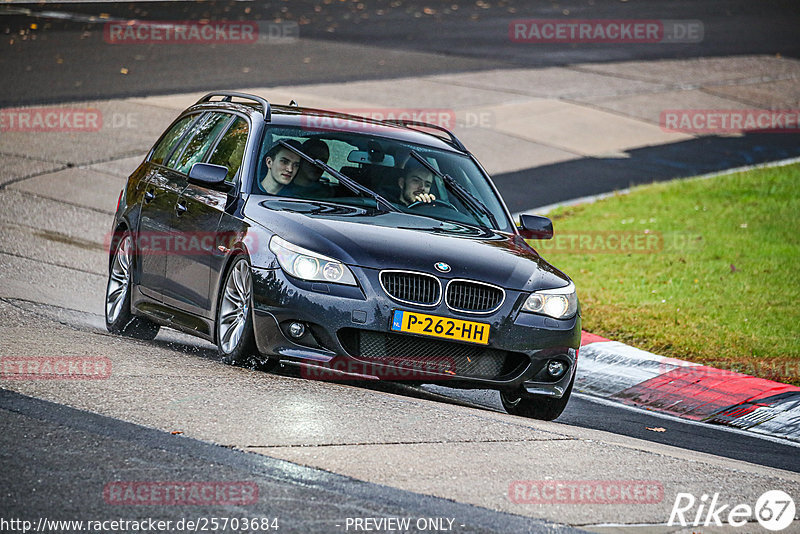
<point>234,309</point>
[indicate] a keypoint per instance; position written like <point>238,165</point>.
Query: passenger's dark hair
<point>313,145</point>
<point>277,147</point>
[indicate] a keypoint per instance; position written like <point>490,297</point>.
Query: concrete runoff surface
<point>54,220</point>
<point>107,454</point>
<point>470,456</point>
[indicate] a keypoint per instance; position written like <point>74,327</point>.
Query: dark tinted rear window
<point>172,137</point>
<point>230,150</point>
<point>205,134</point>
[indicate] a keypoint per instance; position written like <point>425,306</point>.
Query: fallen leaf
<point>176,432</point>
<point>656,429</point>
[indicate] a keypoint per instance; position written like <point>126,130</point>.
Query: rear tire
<point>234,325</point>
<point>520,403</point>
<point>119,319</point>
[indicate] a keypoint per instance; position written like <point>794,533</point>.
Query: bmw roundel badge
<point>442,267</point>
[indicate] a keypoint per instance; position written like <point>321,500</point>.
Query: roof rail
<point>228,96</point>
<point>410,124</point>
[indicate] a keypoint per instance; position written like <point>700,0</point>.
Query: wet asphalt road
<point>65,57</point>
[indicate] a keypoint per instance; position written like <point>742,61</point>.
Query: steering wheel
<point>433,203</point>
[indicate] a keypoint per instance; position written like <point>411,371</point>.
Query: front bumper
<point>348,333</point>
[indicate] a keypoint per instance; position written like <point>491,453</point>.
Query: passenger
<point>307,182</point>
<point>415,184</point>
<point>282,166</point>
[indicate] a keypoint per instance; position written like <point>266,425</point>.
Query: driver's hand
<point>424,197</point>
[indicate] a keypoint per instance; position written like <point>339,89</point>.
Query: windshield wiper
<point>467,198</point>
<point>348,182</point>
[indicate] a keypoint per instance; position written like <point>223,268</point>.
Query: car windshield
<point>388,167</point>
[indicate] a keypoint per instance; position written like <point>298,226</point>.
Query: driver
<point>415,184</point>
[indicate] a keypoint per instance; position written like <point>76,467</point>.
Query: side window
<point>230,150</point>
<point>204,136</point>
<point>176,154</point>
<point>171,138</point>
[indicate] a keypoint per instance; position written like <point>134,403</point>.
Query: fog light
<point>556,368</point>
<point>296,330</point>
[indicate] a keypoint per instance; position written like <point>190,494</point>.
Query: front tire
<point>234,325</point>
<point>119,319</point>
<point>520,403</point>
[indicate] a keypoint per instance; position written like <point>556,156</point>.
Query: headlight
<point>307,265</point>
<point>560,303</point>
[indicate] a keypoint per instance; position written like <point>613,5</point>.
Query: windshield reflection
<point>414,179</point>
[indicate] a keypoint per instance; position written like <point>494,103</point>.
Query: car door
<point>158,200</point>
<point>197,214</point>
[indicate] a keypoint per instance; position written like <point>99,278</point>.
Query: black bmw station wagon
<point>347,246</point>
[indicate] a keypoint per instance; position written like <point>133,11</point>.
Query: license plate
<point>444,327</point>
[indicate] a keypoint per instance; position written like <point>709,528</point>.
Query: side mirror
<point>208,175</point>
<point>535,227</point>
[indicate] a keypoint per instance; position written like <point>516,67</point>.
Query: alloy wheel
<point>235,306</point>
<point>119,279</point>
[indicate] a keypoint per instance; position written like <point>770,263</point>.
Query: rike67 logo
<point>774,510</point>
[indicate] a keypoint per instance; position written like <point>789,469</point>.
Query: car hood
<point>390,240</point>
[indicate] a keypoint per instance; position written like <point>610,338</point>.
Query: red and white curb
<point>619,372</point>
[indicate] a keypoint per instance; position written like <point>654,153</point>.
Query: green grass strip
<point>706,270</point>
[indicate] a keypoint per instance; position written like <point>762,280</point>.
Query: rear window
<point>195,149</point>
<point>230,149</point>
<point>168,142</point>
